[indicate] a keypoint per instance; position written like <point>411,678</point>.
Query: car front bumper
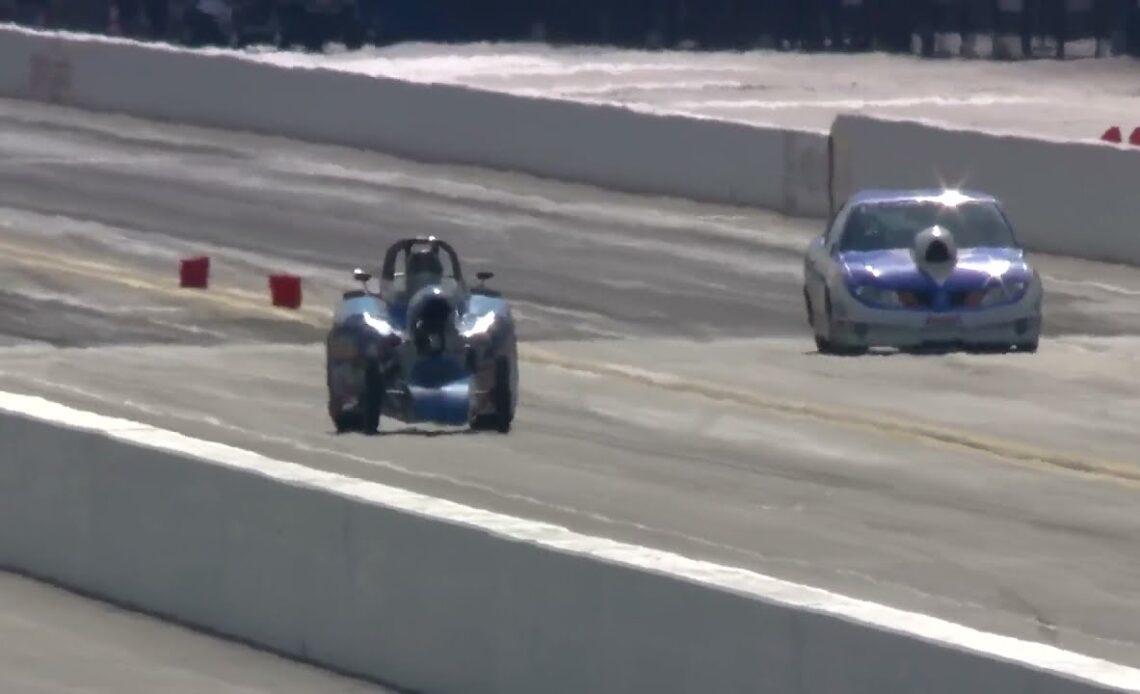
<point>1012,324</point>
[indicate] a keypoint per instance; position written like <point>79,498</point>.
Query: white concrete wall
<point>437,597</point>
<point>598,145</point>
<point>1070,198</point>
<point>1066,197</point>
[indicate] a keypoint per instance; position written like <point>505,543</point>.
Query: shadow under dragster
<point>424,348</point>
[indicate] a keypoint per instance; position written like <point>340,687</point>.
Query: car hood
<point>897,269</point>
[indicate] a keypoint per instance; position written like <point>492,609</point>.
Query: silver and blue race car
<point>425,348</point>
<point>917,269</point>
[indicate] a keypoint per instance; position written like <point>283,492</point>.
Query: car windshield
<point>892,225</point>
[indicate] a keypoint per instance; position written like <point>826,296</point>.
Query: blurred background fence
<point>993,29</point>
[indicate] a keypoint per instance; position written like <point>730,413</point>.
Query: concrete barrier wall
<point>433,596</point>
<point>606,146</point>
<point>1064,197</point>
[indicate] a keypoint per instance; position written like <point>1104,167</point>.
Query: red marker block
<point>1112,135</point>
<point>194,273</point>
<point>1134,138</point>
<point>285,290</point>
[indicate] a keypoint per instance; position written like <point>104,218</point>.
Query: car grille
<point>917,299</point>
<point>965,298</point>
<point>926,299</point>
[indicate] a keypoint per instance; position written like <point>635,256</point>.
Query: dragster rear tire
<point>502,399</point>
<point>372,399</point>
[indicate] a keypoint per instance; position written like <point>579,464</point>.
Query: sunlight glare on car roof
<point>951,198</point>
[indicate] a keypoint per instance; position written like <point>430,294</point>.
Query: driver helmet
<point>423,268</point>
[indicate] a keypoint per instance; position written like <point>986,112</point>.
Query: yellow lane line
<point>246,302</point>
<point>882,424</point>
<point>237,300</point>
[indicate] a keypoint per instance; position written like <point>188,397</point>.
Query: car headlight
<point>481,327</point>
<point>1000,293</point>
<point>877,296</point>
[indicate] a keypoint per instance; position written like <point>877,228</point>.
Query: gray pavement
<point>666,369</point>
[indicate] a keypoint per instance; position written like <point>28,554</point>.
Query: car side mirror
<point>484,275</point>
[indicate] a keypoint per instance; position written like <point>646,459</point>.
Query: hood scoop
<point>935,253</point>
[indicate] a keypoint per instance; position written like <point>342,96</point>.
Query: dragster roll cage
<point>405,246</point>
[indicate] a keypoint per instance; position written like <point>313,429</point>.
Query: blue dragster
<point>425,348</point>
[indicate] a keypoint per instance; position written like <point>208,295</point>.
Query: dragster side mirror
<point>362,276</point>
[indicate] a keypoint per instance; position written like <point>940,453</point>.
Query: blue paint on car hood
<point>896,269</point>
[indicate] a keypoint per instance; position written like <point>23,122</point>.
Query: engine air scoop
<point>936,253</point>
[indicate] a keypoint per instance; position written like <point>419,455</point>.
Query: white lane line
<point>196,418</point>
<point>1034,655</point>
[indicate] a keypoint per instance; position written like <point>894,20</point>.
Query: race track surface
<point>55,642</point>
<point>671,392</point>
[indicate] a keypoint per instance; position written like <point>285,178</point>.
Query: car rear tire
<point>346,421</point>
<point>502,400</point>
<point>372,399</point>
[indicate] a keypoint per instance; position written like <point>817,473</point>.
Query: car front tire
<point>808,307</point>
<point>829,345</point>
